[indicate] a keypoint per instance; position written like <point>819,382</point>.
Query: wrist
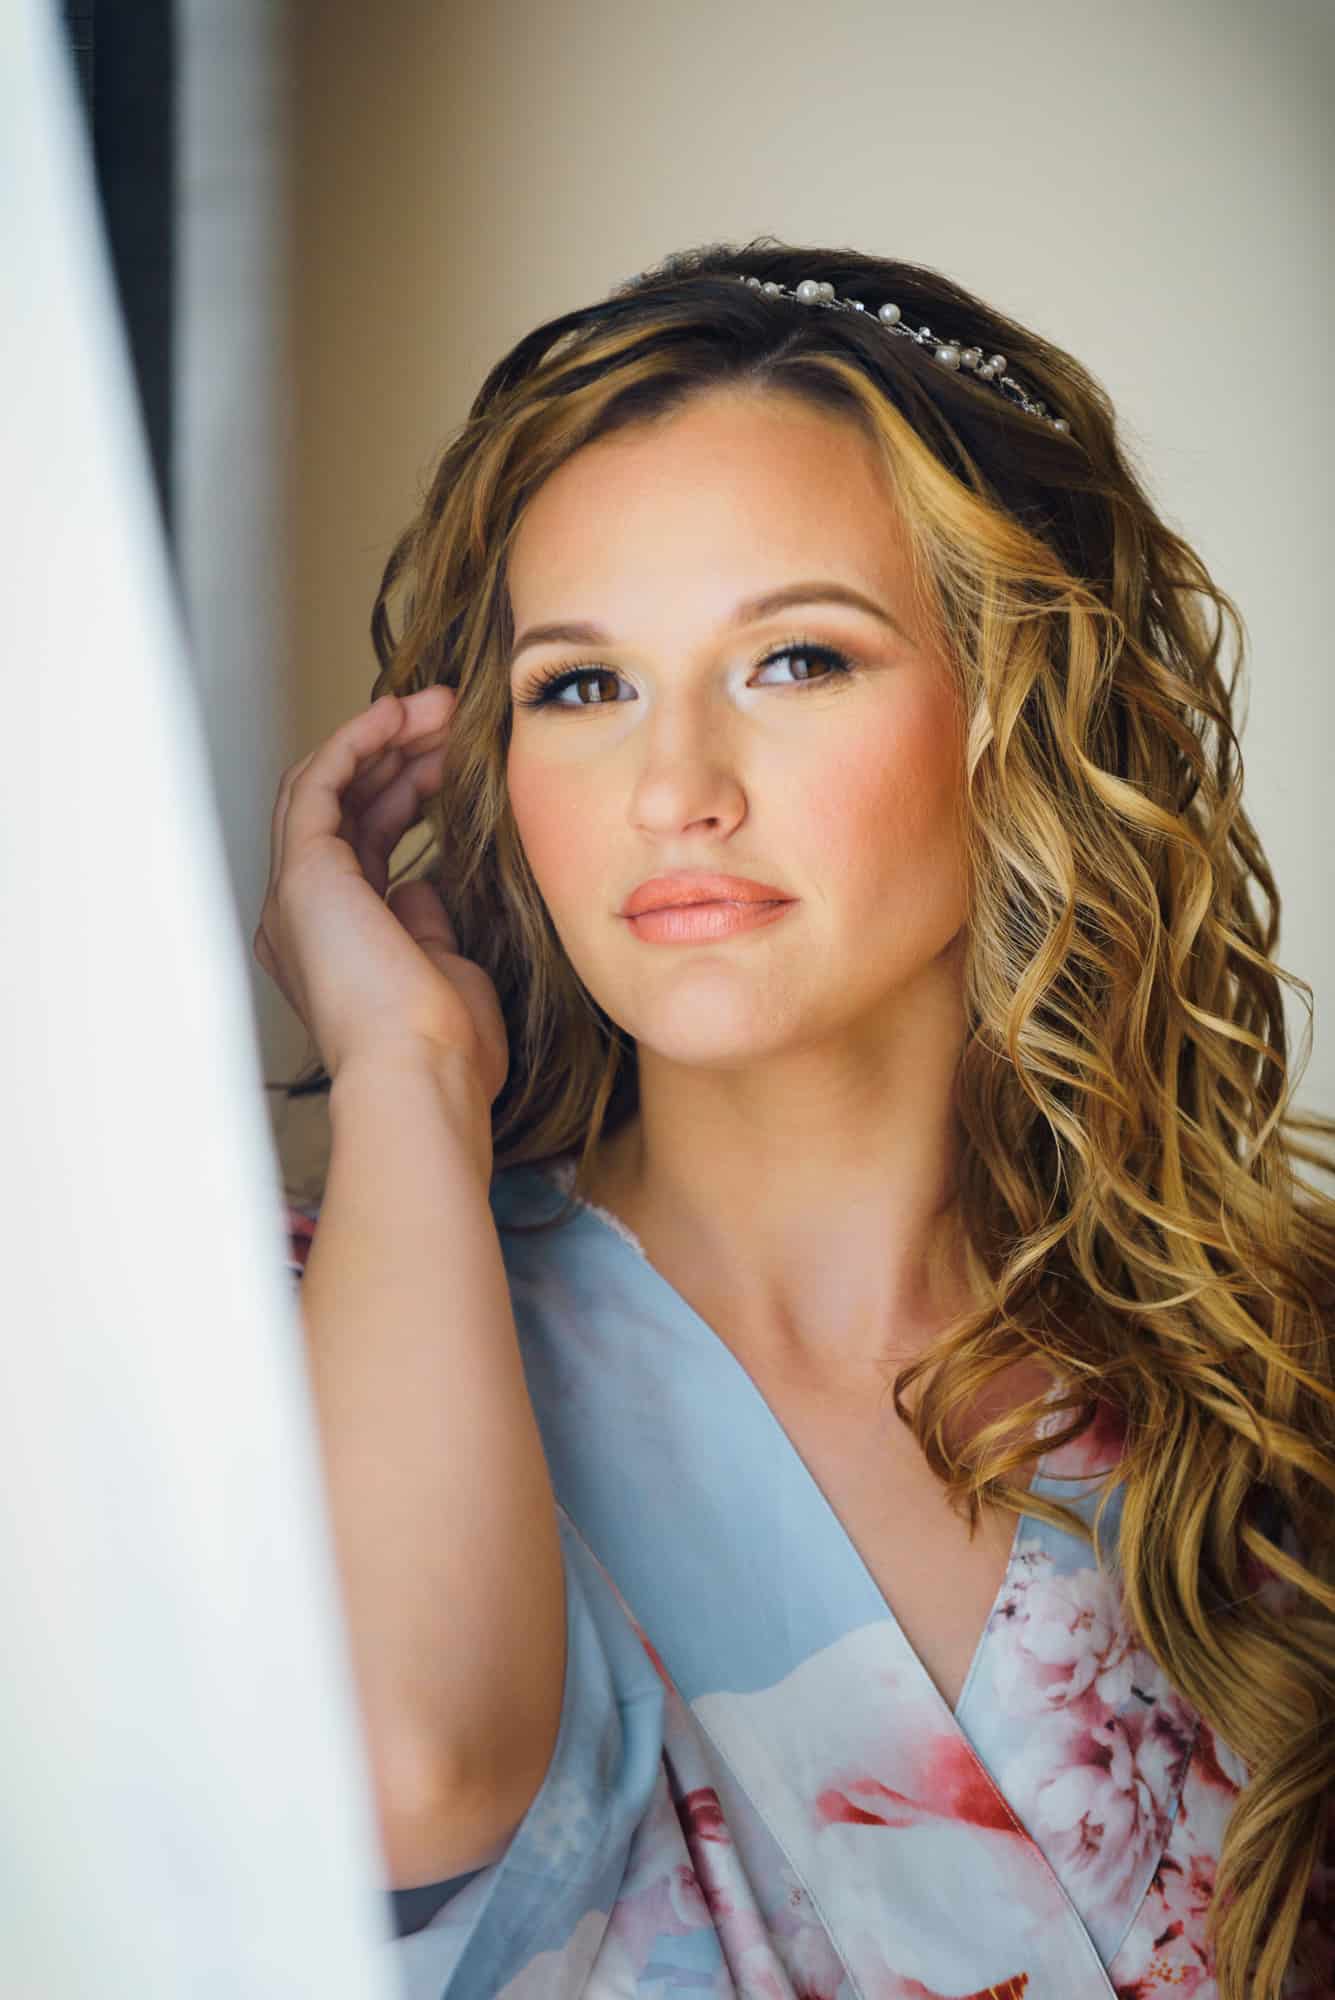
<point>449,1077</point>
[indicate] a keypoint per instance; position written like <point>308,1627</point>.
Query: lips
<point>666,892</point>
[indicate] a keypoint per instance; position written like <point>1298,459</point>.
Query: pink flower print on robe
<point>664,1896</point>
<point>1167,1953</point>
<point>1065,1640</point>
<point>788,1954</point>
<point>1166,1950</point>
<point>1098,1797</point>
<point>1097,1773</point>
<point>684,1874</point>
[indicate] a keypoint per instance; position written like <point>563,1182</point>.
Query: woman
<point>892,1492</point>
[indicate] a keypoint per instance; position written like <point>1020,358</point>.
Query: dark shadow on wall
<point>124,55</point>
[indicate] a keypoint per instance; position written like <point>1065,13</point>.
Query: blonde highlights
<point>1130,1195</point>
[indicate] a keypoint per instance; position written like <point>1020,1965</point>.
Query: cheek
<point>889,810</point>
<point>552,815</point>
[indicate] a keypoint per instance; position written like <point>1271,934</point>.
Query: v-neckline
<point>721,1644</point>
<point>560,1172</point>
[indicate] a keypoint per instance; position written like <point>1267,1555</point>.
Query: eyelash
<point>546,688</point>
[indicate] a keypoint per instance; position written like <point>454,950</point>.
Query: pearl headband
<point>948,352</point>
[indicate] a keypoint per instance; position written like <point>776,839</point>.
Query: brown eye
<point>837,662</point>
<point>554,682</point>
<point>550,685</point>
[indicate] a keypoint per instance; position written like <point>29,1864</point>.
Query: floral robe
<point>757,1792</point>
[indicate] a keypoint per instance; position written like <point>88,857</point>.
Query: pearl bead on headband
<point>949,353</point>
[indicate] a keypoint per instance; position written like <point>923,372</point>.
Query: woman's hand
<point>369,974</point>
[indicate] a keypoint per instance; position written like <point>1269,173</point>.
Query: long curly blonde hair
<point>1133,1213</point>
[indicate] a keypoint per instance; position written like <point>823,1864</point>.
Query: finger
<point>383,825</point>
<point>408,743</point>
<point>314,804</point>
<point>368,784</point>
<point>366,788</point>
<point>426,713</point>
<point>368,742</point>
<point>282,807</point>
<point>418,907</point>
<point>278,823</point>
<point>382,770</point>
<point>422,716</point>
<point>363,797</point>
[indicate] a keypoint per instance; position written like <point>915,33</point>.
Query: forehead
<point>749,487</point>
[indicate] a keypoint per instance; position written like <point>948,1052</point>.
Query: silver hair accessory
<point>949,353</point>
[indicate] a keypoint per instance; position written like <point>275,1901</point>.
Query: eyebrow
<point>581,633</point>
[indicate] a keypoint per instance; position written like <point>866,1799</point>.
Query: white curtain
<point>185,1805</point>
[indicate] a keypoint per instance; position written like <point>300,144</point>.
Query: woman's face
<point>698,742</point>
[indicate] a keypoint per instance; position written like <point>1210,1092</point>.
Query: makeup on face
<point>705,923</point>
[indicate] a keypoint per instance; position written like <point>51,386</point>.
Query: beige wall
<point>1149,185</point>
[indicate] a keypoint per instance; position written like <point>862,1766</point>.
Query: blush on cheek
<point>871,806</point>
<point>887,811</point>
<point>555,831</point>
